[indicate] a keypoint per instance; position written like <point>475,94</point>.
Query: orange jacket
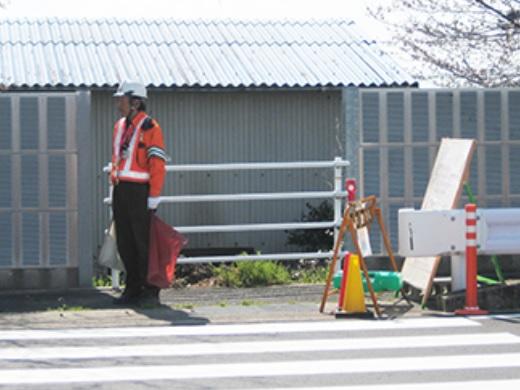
<point>138,153</point>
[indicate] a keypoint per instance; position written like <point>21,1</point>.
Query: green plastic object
<point>491,282</point>
<point>381,280</point>
<point>336,280</point>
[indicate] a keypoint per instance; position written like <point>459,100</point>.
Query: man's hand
<point>153,202</point>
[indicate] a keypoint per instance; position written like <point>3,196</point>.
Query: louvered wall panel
<point>444,114</point>
<point>31,239</point>
<point>29,123</point>
<point>468,114</point>
<point>37,182</point>
<point>492,115</point>
<point>5,123</point>
<point>514,164</point>
<point>493,172</point>
<point>370,116</point>
<point>57,181</point>
<point>30,181</point>
<point>395,172</point>
<point>420,117</point>
<point>421,170</point>
<point>514,115</point>
<point>5,181</point>
<point>6,239</point>
<point>58,239</point>
<point>56,123</point>
<point>371,172</point>
<point>395,115</point>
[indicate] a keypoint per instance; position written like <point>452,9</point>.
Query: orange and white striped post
<point>471,307</point>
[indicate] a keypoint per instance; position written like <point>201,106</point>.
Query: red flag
<point>165,245</point>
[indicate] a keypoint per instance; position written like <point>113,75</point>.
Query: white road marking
<point>497,317</point>
<point>260,369</point>
<point>221,330</point>
<point>253,347</point>
<point>512,384</point>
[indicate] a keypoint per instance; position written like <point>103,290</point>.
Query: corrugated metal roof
<point>169,52</point>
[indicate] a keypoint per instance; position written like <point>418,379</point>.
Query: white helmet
<point>132,89</point>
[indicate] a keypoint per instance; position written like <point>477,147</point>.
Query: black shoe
<point>126,299</point>
<point>150,297</point>
<point>151,291</point>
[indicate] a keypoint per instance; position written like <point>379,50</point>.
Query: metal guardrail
<point>337,195</point>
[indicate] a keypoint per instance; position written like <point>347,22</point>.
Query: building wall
<point>231,126</point>
<point>47,218</point>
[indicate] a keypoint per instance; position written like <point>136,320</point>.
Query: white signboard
<point>449,172</point>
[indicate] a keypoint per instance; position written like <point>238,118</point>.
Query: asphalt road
<point>428,352</point>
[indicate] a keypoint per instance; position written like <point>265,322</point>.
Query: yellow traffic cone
<point>354,300</point>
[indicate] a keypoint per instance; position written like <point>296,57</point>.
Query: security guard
<point>138,170</point>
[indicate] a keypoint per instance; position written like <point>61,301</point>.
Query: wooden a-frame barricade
<point>358,215</point>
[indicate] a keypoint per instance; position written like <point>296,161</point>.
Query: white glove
<point>153,202</point>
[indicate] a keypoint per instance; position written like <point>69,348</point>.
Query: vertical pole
<point>338,177</point>
<point>471,307</point>
<point>114,273</point>
<point>84,184</point>
<point>458,272</point>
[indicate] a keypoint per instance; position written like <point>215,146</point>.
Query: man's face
<point>123,105</point>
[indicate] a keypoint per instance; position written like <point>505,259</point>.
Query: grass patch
<point>250,302</point>
<point>106,281</point>
<point>245,274</point>
<point>185,306</point>
<point>102,281</point>
<point>251,274</point>
<point>67,308</point>
<point>314,275</point>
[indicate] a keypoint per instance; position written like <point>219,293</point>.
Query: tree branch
<point>456,42</point>
<point>496,11</point>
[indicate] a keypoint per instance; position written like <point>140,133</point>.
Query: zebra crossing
<point>420,353</point>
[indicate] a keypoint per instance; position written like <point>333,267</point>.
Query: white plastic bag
<point>109,256</point>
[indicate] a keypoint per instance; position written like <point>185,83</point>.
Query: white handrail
<point>337,195</point>
<point>249,196</point>
<point>251,166</point>
<point>273,256</point>
<point>252,227</point>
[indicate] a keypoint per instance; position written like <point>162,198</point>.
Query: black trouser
<point>132,220</point>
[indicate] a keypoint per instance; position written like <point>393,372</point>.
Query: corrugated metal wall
<point>401,131</point>
<point>232,126</point>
